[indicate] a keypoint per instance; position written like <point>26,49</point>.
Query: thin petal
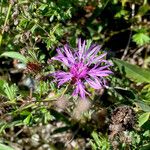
<point>98,72</point>
<point>92,46</point>
<point>95,83</point>
<point>96,59</point>
<point>69,54</point>
<point>61,57</point>
<point>93,52</point>
<point>104,67</point>
<point>81,47</point>
<point>62,60</point>
<point>62,77</point>
<point>80,89</point>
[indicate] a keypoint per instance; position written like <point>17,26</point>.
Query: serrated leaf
<point>133,72</point>
<point>5,147</point>
<point>144,118</point>
<point>121,13</point>
<point>141,38</point>
<point>10,91</point>
<point>15,55</point>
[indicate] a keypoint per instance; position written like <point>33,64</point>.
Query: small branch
<point>115,33</point>
<point>130,35</point>
<point>74,134</point>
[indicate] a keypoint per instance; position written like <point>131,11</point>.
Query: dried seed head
<point>82,106</point>
<point>123,118</point>
<point>100,117</point>
<point>12,2</point>
<point>62,102</point>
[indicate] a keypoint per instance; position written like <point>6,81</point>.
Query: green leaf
<point>143,9</point>
<point>2,82</point>
<point>124,2</point>
<point>33,28</point>
<point>5,147</point>
<point>25,113</point>
<point>43,6</point>
<point>145,147</point>
<point>60,116</point>
<point>96,138</point>
<point>27,119</point>
<point>121,13</point>
<point>143,106</point>
<point>10,91</point>
<point>1,39</point>
<point>144,118</point>
<point>15,55</point>
<point>93,145</point>
<point>23,23</point>
<point>141,38</point>
<point>133,72</point>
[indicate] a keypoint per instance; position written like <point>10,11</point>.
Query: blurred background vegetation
<point>34,113</point>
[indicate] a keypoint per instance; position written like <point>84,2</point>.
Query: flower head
<point>84,66</point>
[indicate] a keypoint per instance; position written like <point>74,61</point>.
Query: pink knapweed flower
<point>84,66</point>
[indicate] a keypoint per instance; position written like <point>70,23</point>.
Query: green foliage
<point>133,72</point>
<point>144,118</point>
<point>140,140</point>
<point>43,88</point>
<point>15,55</point>
<point>30,31</point>
<point>5,147</point>
<point>10,91</point>
<point>138,75</point>
<point>145,93</point>
<point>27,120</point>
<point>99,142</point>
<point>122,13</point>
<point>144,9</point>
<point>141,38</point>
<point>143,106</point>
<point>2,82</point>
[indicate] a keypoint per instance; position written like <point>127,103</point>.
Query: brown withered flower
<point>33,67</point>
<point>123,118</point>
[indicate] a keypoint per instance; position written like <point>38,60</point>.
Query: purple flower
<point>84,66</point>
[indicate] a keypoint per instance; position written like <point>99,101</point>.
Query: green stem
<point>1,9</point>
<point>62,94</point>
<point>7,16</point>
<point>5,23</point>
